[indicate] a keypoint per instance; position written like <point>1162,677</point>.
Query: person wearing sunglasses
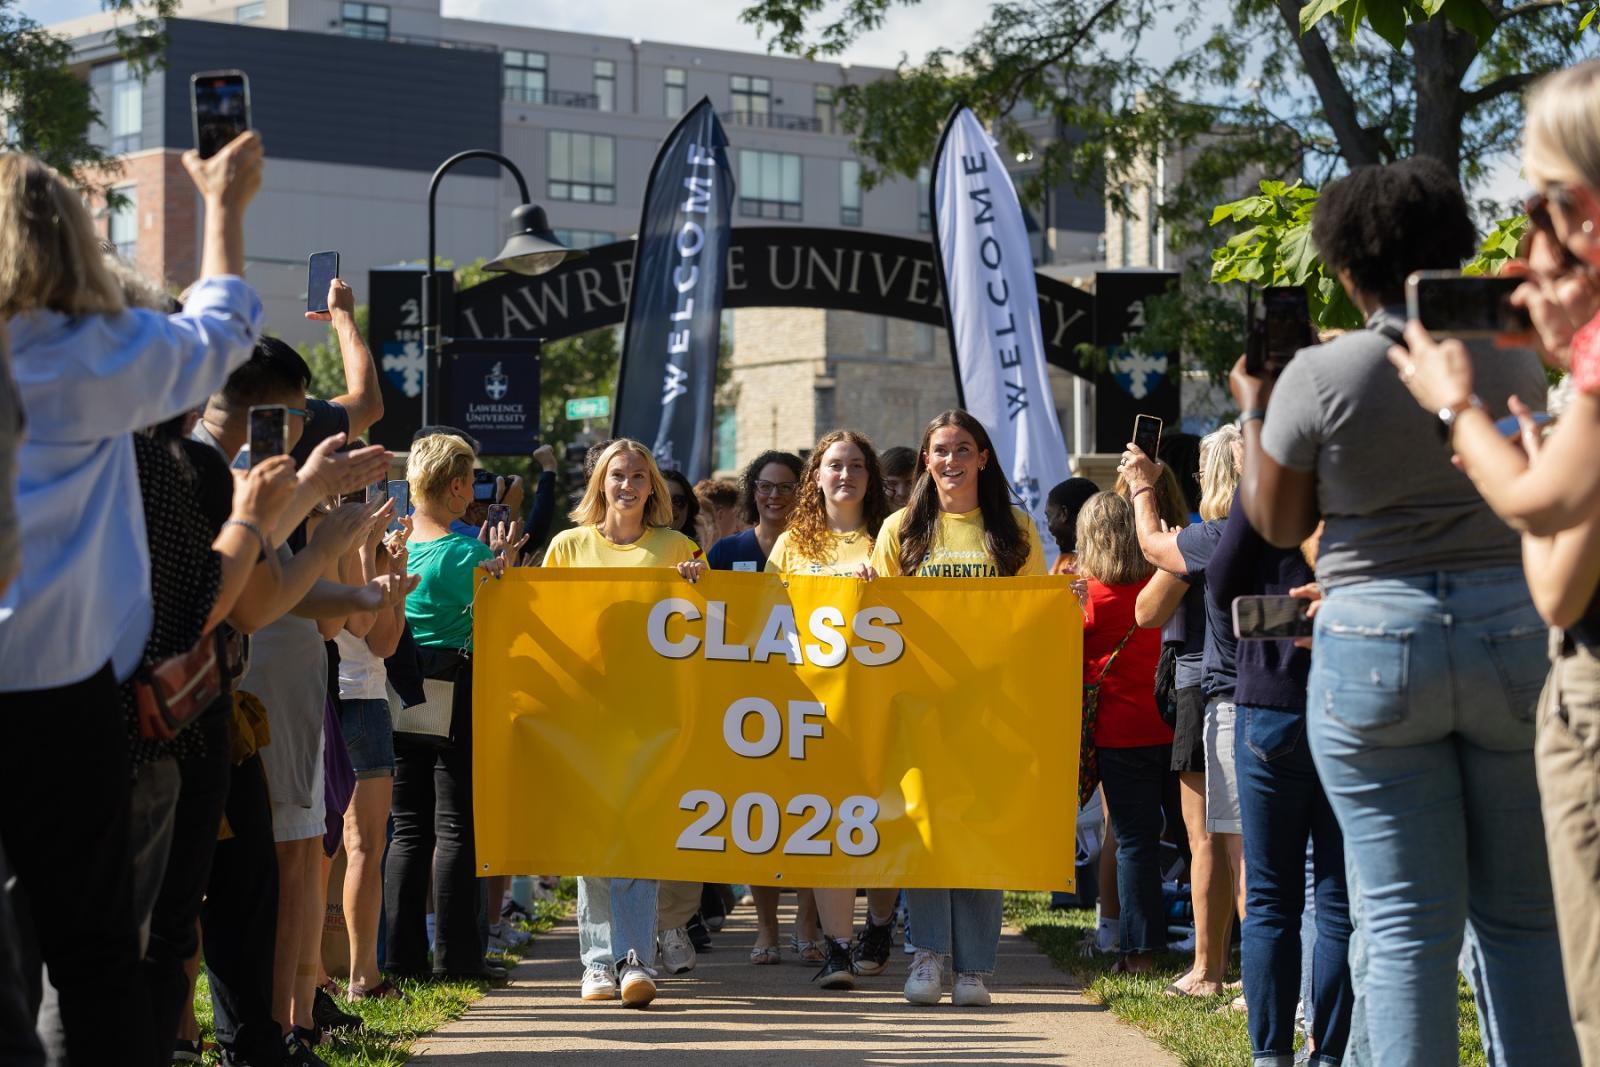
<point>685,505</point>
<point>766,498</point>
<point>1550,490</point>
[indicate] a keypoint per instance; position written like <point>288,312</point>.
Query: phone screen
<point>400,493</point>
<point>1258,618</point>
<point>269,432</point>
<point>1459,306</point>
<point>378,492</point>
<point>499,513</point>
<point>1147,434</point>
<point>322,269</point>
<point>1287,325</point>
<point>483,487</point>
<point>221,104</point>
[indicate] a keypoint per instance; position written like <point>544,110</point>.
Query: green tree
<point>47,110</point>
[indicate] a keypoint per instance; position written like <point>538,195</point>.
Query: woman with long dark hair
<point>685,505</point>
<point>960,523</point>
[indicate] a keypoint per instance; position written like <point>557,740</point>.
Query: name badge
<point>745,565</point>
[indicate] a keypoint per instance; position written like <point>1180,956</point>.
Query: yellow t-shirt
<point>958,549</point>
<point>846,553</point>
<point>586,546</point>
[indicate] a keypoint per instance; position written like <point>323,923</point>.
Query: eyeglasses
<point>1537,208</point>
<point>776,488</point>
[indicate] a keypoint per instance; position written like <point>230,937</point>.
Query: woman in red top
<point>1134,744</point>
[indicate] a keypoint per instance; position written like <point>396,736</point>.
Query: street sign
<point>589,407</point>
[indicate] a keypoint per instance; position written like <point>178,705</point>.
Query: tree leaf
<point>1472,16</point>
<point>1388,20</point>
<point>1297,255</point>
<point>1316,11</point>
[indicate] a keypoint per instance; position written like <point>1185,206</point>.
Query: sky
<point>715,23</point>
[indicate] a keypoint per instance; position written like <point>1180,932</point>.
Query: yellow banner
<point>912,732</point>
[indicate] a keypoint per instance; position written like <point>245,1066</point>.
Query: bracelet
<point>1141,489</point>
<point>253,528</point>
<point>1253,413</point>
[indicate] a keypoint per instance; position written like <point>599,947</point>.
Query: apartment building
<point>358,102</point>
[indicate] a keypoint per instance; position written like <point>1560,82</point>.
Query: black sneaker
<point>839,969</point>
<point>327,1014</point>
<point>872,948</point>
<point>698,934</point>
<point>515,912</point>
<point>187,1052</point>
<point>297,1054</point>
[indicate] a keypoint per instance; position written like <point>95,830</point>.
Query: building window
<point>1127,225</point>
<point>1153,226</point>
<point>922,340</point>
<point>584,238</point>
<point>769,185</point>
<point>751,96</point>
<point>365,20</point>
<point>250,12</point>
<point>850,192</point>
<point>677,92</point>
<point>583,167</point>
<point>824,108</point>
<point>924,198</point>
<point>605,84</point>
<point>525,76</point>
<point>127,109</point>
<point>875,334</point>
<point>122,226</point>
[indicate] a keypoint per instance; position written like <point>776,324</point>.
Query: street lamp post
<point>530,249</point>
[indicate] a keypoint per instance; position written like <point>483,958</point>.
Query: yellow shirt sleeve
<point>778,558</point>
<point>559,554</point>
<point>886,551</point>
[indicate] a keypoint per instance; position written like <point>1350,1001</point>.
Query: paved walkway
<point>727,1013</point>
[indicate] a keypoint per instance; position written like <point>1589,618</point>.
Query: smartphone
<point>499,513</point>
<point>321,269</point>
<point>269,432</point>
<point>219,101</point>
<point>400,493</point>
<point>1280,329</point>
<point>1271,618</point>
<point>1147,434</point>
<point>1449,304</point>
<point>378,492</point>
<point>1510,427</point>
<point>483,487</point>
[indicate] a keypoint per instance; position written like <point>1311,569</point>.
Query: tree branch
<point>1356,144</point>
<point>1508,83</point>
<point>1533,7</point>
<point>1055,55</point>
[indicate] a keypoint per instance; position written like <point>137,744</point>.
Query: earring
<point>1588,226</point>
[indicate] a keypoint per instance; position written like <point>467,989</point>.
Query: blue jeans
<point>1421,709</point>
<point>1134,780</point>
<point>1281,805</point>
<point>616,916</point>
<point>963,924</point>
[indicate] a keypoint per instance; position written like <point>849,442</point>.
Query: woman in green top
<point>959,523</point>
<point>433,786</point>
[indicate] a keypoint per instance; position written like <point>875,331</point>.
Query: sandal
<point>765,955</point>
<point>384,990</point>
<point>808,951</point>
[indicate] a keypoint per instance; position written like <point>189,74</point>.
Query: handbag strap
<point>1114,653</point>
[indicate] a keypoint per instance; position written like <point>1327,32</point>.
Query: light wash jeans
<point>1421,708</point>
<point>963,924</point>
<point>614,916</point>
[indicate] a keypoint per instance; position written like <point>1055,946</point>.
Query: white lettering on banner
<point>686,274</point>
<point>856,834</point>
<point>779,635</point>
<point>771,727</point>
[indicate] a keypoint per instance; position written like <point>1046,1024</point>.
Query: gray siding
<point>327,98</point>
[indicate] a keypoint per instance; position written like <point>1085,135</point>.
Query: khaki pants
<point>1567,754</point>
<point>676,903</point>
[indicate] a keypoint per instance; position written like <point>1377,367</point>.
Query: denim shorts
<point>369,735</point>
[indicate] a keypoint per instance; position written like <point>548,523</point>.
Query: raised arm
<point>1159,600</point>
<point>1159,544</point>
<point>363,399</point>
<point>1281,502</point>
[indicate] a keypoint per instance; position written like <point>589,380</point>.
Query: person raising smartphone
<point>840,504</point>
<point>959,523</point>
<point>624,520</point>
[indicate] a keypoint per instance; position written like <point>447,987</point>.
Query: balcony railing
<point>439,42</point>
<point>776,120</point>
<point>553,97</point>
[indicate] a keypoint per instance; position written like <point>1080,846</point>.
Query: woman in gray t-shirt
<point>1428,657</point>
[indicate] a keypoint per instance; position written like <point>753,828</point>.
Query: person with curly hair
<point>840,505</point>
<point>961,523</point>
<point>766,497</point>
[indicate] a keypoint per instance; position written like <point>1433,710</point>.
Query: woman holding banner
<point>841,501</point>
<point>960,523</point>
<point>624,520</point>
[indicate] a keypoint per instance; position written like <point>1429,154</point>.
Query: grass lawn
<point>1198,1032</point>
<point>393,1025</point>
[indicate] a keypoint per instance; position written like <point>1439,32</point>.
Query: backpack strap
<point>1115,652</point>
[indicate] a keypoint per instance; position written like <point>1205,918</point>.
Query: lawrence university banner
<point>666,383</point>
<point>986,267</point>
<point>827,732</point>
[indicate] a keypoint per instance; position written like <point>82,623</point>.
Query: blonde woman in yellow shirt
<point>841,506</point>
<point>959,523</point>
<point>624,520</point>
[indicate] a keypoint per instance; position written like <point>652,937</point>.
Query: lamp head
<point>531,248</point>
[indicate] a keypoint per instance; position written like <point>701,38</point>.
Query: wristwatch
<point>1450,412</point>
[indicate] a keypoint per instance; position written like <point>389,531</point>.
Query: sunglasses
<point>1537,208</point>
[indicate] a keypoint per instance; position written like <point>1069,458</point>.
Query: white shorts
<point>1222,772</point>
<point>291,822</point>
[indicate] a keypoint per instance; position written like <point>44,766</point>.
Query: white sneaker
<point>598,983</point>
<point>970,992</point>
<point>510,934</point>
<point>677,951</point>
<point>638,981</point>
<point>925,983</point>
